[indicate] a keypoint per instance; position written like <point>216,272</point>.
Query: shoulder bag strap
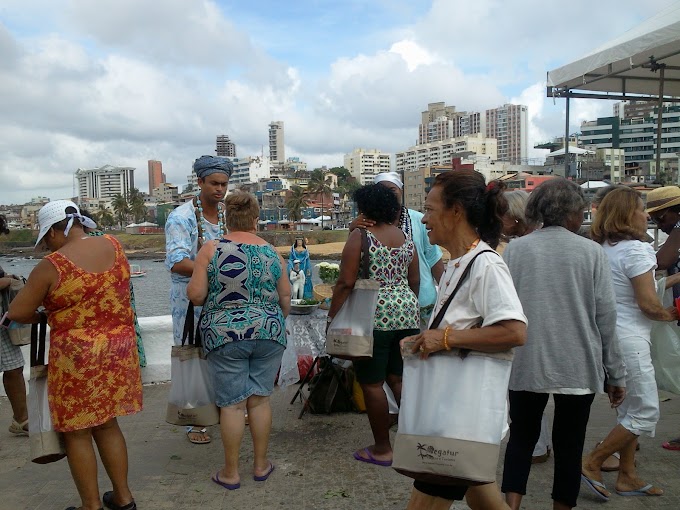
<point>442,311</point>
<point>38,338</point>
<point>188,331</point>
<point>365,263</point>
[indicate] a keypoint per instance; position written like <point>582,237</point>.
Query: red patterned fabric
<point>94,372</point>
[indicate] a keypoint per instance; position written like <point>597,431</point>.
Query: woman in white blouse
<point>620,226</point>
<point>464,216</point>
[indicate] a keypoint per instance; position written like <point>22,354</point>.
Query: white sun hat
<point>51,213</point>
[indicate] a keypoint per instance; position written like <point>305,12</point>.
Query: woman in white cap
<point>94,373</point>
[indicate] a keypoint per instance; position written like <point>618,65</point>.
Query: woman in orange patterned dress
<point>94,373</point>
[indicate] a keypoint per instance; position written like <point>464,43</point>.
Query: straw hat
<point>51,213</point>
<point>662,198</point>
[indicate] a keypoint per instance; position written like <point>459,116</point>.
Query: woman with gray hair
<point>570,310</point>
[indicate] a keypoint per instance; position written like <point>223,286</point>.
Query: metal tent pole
<point>659,121</point>
<point>566,141</point>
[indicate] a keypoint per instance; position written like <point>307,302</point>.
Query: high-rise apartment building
<point>634,109</point>
<point>165,192</point>
<point>441,152</point>
<point>441,122</point>
<point>509,124</point>
<point>156,175</point>
<point>637,137</point>
<point>364,164</point>
<point>277,153</point>
<point>249,170</point>
<point>105,182</point>
<point>224,147</point>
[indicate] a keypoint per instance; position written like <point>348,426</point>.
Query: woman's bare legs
<point>379,418</point>
<point>421,501</point>
<point>83,464</point>
<point>232,426</point>
<point>485,497</point>
<point>260,418</point>
<point>113,452</point>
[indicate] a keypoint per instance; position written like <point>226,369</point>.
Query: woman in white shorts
<point>620,226</point>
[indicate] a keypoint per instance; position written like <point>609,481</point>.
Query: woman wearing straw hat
<point>663,207</point>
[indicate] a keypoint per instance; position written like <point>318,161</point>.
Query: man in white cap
<point>186,229</point>
<point>429,255</point>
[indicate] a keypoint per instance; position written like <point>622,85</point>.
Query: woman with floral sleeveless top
<point>394,263</point>
<point>245,293</point>
<point>94,373</point>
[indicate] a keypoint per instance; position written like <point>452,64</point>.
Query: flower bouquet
<point>329,272</point>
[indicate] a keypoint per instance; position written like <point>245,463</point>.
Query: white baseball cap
<point>51,213</point>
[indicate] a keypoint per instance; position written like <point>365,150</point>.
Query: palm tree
<point>104,217</point>
<point>319,183</point>
<point>297,201</point>
<point>121,208</point>
<point>136,205</point>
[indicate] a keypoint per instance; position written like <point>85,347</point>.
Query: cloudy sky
<point>86,83</point>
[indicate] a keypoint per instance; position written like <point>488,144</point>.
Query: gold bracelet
<point>446,338</point>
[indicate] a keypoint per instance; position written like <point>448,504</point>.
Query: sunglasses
<point>658,219</point>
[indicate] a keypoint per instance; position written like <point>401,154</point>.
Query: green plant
<point>329,272</point>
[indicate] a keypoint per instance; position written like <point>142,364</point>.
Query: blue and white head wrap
<point>208,165</point>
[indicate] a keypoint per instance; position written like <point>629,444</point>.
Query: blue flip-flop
<point>266,475</point>
<point>593,485</point>
<point>642,491</point>
<point>228,486</point>
<point>370,459</point>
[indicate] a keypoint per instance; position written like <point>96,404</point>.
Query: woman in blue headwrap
<point>299,252</point>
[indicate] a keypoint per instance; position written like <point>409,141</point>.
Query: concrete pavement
<point>314,465</point>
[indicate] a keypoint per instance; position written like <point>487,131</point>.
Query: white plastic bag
<point>192,394</point>
<point>350,333</point>
<point>452,417</point>
<point>665,350</point>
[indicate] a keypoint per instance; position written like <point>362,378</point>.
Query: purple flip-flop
<point>266,475</point>
<point>370,459</point>
<point>228,486</point>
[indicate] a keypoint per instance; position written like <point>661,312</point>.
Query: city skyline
<point>119,85</point>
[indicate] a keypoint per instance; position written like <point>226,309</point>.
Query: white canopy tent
<point>642,64</point>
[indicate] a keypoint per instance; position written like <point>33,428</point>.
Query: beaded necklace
<point>202,222</point>
<point>405,222</point>
<point>457,264</point>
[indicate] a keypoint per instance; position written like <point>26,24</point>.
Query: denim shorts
<point>244,368</point>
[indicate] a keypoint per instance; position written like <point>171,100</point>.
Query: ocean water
<point>152,291</point>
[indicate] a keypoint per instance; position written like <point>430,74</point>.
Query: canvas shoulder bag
<point>19,334</point>
<point>453,436</point>
<point>350,334</point>
<point>46,444</point>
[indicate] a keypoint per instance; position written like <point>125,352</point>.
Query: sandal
<point>193,430</point>
<point>20,429</point>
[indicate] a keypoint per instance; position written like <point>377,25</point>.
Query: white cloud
<point>119,82</point>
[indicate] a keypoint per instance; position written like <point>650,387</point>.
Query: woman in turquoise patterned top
<point>394,263</point>
<point>245,293</point>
